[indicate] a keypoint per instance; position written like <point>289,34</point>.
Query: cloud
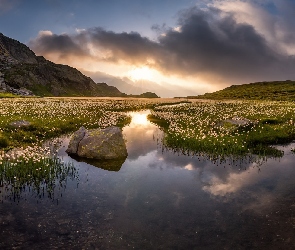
<point>226,42</point>
<point>64,45</point>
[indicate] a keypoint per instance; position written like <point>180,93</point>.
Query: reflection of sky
<point>168,199</point>
<point>227,179</point>
<point>141,136</point>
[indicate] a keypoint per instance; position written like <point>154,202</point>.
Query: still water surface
<point>159,199</point>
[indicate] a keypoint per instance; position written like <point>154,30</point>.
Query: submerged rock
<point>101,144</point>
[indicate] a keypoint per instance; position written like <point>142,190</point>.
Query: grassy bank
<point>275,91</point>
<point>202,127</point>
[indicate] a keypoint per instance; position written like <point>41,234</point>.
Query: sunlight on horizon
<point>141,73</point>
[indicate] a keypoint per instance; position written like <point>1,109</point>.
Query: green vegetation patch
<point>276,91</point>
<point>7,95</point>
<point>220,128</point>
<point>52,117</point>
<point>42,174</point>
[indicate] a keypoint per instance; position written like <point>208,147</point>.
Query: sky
<point>195,46</point>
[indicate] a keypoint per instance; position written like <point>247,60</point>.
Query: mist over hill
<point>128,86</point>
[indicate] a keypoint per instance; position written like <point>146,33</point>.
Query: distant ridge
<point>276,91</point>
<point>24,73</point>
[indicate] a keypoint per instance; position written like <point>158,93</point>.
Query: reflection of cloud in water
<point>234,182</point>
<point>189,167</point>
<point>231,180</point>
<point>263,190</point>
<point>260,183</point>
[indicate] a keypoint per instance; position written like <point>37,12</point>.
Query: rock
<point>239,121</point>
<point>109,165</point>
<point>101,144</point>
<point>20,124</point>
<point>234,123</point>
<point>75,140</point>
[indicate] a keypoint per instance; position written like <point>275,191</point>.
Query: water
<point>159,199</point>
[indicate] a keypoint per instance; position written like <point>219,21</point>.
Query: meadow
<point>26,162</point>
<point>196,127</point>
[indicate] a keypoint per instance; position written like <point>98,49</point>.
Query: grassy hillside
<point>279,91</point>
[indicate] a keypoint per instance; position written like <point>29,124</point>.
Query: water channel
<point>159,199</point>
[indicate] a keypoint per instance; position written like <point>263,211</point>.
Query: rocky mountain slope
<point>24,73</point>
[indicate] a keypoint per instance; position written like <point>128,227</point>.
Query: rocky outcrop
<point>25,73</point>
<point>101,144</point>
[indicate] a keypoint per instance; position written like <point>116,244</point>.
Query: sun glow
<point>139,119</point>
<point>142,73</point>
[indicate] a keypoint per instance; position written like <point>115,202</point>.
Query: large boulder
<point>75,140</point>
<point>101,144</point>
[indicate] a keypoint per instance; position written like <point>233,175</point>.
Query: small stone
<point>20,124</point>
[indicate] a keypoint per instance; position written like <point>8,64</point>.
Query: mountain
<point>277,91</point>
<point>24,73</point>
<point>125,85</point>
<point>130,87</point>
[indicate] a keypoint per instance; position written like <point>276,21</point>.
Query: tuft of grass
<point>41,177</point>
<point>3,142</point>
<point>8,95</point>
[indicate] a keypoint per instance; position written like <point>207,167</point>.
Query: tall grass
<point>34,169</point>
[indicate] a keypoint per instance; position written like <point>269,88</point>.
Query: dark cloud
<point>208,43</point>
<point>64,45</point>
<point>130,47</point>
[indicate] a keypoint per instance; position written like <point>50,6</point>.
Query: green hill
<point>278,91</point>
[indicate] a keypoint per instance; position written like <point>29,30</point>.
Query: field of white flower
<point>199,127</point>
<point>207,127</point>
<point>50,117</point>
<point>24,161</point>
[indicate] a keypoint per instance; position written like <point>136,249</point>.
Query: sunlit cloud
<point>221,43</point>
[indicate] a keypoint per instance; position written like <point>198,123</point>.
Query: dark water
<point>159,200</point>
